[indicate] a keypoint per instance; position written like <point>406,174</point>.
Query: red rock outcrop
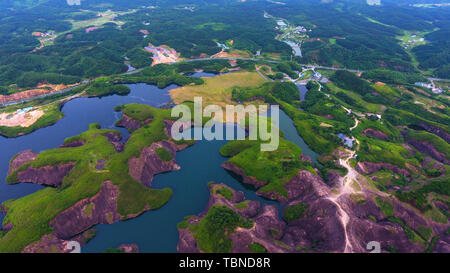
<point>115,140</point>
<point>305,185</point>
<point>169,123</point>
<point>20,159</point>
<point>370,167</point>
<point>47,175</point>
<point>388,234</point>
<point>435,130</point>
<point>50,243</point>
<point>75,143</point>
<point>149,163</point>
<point>320,230</point>
<point>429,149</point>
<point>129,248</point>
<point>246,179</point>
<point>375,134</point>
<point>442,244</point>
<point>99,209</point>
<point>267,225</point>
<point>130,123</point>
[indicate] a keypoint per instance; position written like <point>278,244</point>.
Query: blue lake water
<point>78,114</point>
<point>201,74</point>
<point>153,231</point>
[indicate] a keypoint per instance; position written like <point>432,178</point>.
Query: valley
<point>87,90</point>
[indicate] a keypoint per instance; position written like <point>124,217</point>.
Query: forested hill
<point>52,41</point>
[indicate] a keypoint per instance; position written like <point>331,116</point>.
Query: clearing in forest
<point>23,118</point>
<point>216,90</point>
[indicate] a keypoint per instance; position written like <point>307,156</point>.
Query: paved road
<point>37,97</point>
<point>199,60</point>
<point>439,80</point>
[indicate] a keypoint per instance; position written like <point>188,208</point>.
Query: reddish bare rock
<point>431,164</point>
<point>129,248</point>
<point>435,130</point>
<point>441,205</point>
<point>169,123</point>
<point>370,167</point>
<point>319,230</point>
<point>442,245</point>
<point>186,241</point>
<point>375,134</point>
<point>251,209</point>
<point>266,230</point>
<point>99,209</point>
<point>409,148</point>
<point>303,182</point>
<point>7,227</point>
<point>304,186</point>
<point>131,124</point>
<point>267,225</point>
<point>47,175</point>
<point>20,159</point>
<point>149,163</point>
<point>73,144</point>
<point>115,140</point>
<point>305,158</point>
<point>408,215</point>
<point>25,94</point>
<point>429,149</point>
<point>321,227</point>
<point>50,243</point>
<point>367,223</point>
<point>246,179</point>
<point>333,178</point>
<point>388,234</point>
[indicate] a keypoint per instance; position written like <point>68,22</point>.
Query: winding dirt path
<point>346,189</point>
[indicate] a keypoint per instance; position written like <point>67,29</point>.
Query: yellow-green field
<point>107,17</point>
<point>216,90</point>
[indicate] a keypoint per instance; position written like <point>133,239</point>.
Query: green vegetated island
<point>383,140</point>
<point>72,44</point>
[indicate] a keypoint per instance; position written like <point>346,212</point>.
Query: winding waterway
<point>78,114</point>
<point>153,231</point>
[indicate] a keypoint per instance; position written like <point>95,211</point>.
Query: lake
<point>153,231</point>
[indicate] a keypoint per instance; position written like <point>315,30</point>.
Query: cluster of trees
<point>289,68</point>
<point>286,91</point>
<point>161,75</point>
<point>350,81</point>
<point>436,54</point>
<point>354,35</point>
<point>357,41</point>
<point>30,79</point>
<point>393,77</point>
<point>194,34</point>
<point>79,55</point>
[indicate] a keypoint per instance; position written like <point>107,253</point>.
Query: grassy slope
<point>31,214</point>
<point>212,232</point>
<point>275,168</point>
